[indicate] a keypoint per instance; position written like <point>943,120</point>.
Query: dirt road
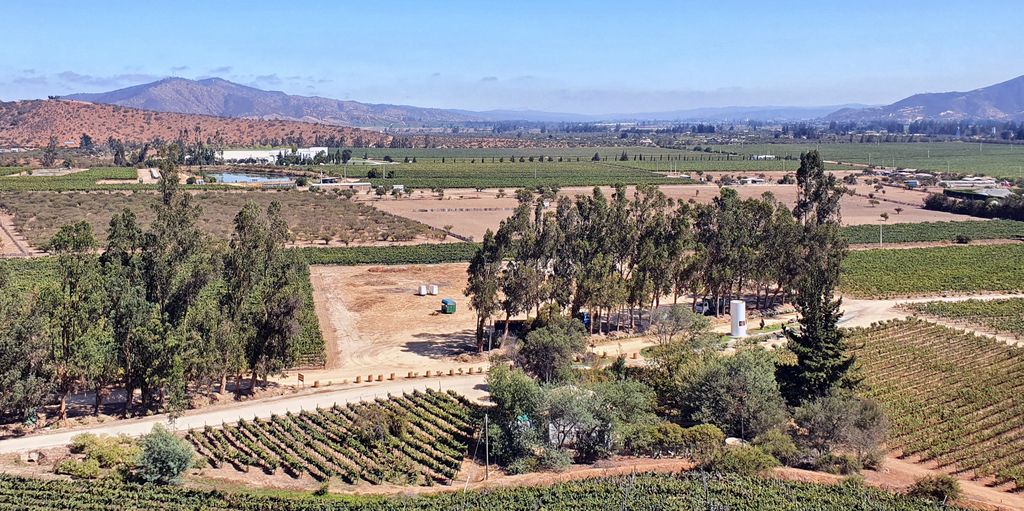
<point>12,244</point>
<point>469,386</point>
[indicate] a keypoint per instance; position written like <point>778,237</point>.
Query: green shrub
<point>842,464</point>
<point>554,460</point>
<point>742,460</point>
<point>164,458</point>
<point>779,445</point>
<point>940,488</point>
<point>962,239</point>
<point>116,452</point>
<point>700,442</point>
<point>84,469</point>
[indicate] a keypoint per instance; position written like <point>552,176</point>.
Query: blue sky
<point>572,56</point>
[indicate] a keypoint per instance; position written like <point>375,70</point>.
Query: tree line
<point>793,406</point>
<point>163,310</point>
<point>618,257</point>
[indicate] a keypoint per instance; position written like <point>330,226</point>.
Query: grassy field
<point>952,397</point>
<point>965,158</point>
<point>311,216</point>
<point>935,231</point>
<point>1002,316</point>
<point>880,273</point>
<point>654,492</point>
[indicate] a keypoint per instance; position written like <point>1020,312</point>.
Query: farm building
<point>751,181</point>
<point>266,155</point>
<point>969,183</point>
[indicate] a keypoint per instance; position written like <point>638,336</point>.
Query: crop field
<point>1001,316</point>
<point>312,217</point>
<point>84,180</point>
<point>935,231</point>
<point>999,160</point>
<point>721,163</point>
<point>649,492</point>
<point>466,174</point>
<point>880,273</point>
<point>953,398</point>
<point>419,438</point>
<point>427,253</point>
<point>584,153</point>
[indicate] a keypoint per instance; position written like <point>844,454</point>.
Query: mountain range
<point>1002,102</point>
<point>218,97</point>
<point>31,124</point>
<point>215,96</point>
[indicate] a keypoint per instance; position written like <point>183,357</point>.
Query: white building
<point>267,155</point>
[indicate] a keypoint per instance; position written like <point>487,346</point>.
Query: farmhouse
<point>751,181</point>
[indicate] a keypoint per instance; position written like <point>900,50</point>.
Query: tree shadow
<point>441,346</point>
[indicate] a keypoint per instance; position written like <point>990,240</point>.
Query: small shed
<point>447,306</point>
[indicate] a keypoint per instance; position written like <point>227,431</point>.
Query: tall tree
<point>49,156</point>
<point>25,382</point>
<point>823,363</point>
<point>483,284</point>
<point>75,307</point>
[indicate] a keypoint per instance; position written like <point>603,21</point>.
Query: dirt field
<point>471,212</point>
<point>374,322</point>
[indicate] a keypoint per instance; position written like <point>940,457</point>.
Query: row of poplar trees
<point>163,310</point>
<point>617,257</point>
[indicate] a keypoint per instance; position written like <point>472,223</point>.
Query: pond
<point>250,177</point>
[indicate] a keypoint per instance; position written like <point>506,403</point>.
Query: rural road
<point>469,386</point>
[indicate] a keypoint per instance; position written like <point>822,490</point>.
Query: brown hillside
<point>31,123</point>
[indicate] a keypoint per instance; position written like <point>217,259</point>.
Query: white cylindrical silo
<point>738,312</point>
<point>423,290</point>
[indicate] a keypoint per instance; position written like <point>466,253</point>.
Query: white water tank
<point>433,289</point>
<point>423,290</point>
<point>738,313</point>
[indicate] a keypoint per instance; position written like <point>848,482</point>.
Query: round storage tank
<point>738,313</point>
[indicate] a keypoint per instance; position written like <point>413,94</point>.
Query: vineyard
<point>418,438</point>
<point>649,492</point>
<point>427,253</point>
<point>887,273</point>
<point>470,174</point>
<point>1002,316</point>
<point>953,398</point>
<point>1000,160</point>
<point>935,231</point>
<point>84,180</point>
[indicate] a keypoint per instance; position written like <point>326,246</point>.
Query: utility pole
<point>487,449</point>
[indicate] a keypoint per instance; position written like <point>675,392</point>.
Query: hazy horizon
<point>576,57</point>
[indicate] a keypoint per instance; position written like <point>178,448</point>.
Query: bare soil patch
<point>471,212</point>
<point>374,323</point>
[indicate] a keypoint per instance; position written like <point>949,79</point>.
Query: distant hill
<point>215,96</point>
<point>710,114</point>
<point>31,123</point>
<point>1002,101</point>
